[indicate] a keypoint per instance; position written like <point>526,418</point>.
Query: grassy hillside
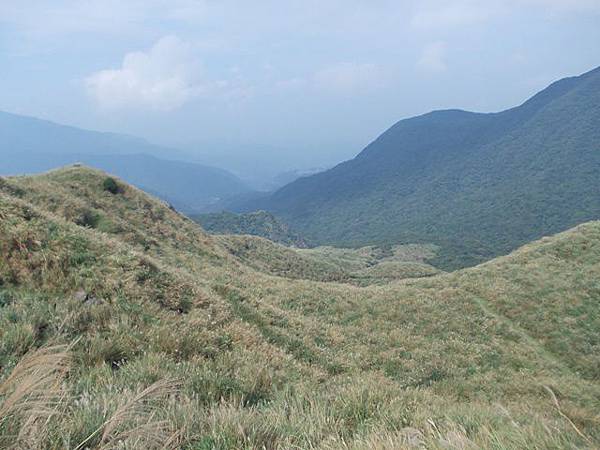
<point>477,185</point>
<point>376,265</point>
<point>123,324</point>
<point>362,267</point>
<point>259,223</point>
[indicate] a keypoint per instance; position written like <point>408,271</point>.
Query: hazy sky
<point>313,80</point>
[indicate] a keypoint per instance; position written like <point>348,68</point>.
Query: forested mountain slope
<point>477,185</point>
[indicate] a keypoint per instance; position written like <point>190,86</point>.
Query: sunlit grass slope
<point>362,266</point>
<point>123,324</point>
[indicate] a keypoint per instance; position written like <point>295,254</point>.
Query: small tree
<point>111,185</point>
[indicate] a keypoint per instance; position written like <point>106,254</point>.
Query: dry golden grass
<point>32,394</point>
<point>133,422</point>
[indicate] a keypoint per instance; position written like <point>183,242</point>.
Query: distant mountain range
<point>263,167</point>
<point>290,176</point>
<point>478,185</point>
<point>29,145</point>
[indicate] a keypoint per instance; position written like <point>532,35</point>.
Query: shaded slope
<point>29,145</point>
<point>259,223</point>
<point>22,134</point>
<point>190,187</point>
<point>477,185</point>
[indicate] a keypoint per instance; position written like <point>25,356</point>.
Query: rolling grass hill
<point>123,324</point>
<point>362,267</point>
<point>476,185</point>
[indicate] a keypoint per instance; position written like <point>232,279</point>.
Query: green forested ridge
<point>477,185</point>
<point>139,330</point>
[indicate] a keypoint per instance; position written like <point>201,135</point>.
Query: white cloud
<point>349,77</point>
<point>433,57</point>
<point>163,78</point>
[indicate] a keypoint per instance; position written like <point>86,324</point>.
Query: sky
<point>307,83</point>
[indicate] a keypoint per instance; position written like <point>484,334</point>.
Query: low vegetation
<point>110,185</point>
<point>145,332</point>
<point>377,265</point>
<point>259,223</point>
<point>363,266</point>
